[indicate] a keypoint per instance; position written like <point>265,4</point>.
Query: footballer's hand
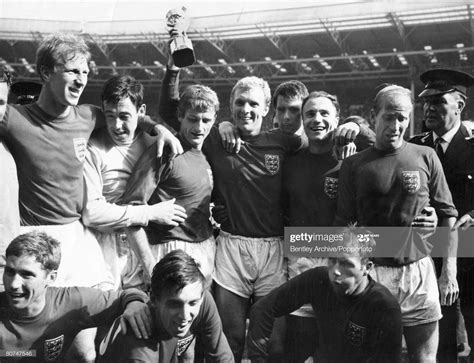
<point>448,290</point>
<point>137,314</point>
<point>346,133</point>
<point>220,214</point>
<point>231,140</point>
<point>173,34</point>
<point>165,137</point>
<point>167,213</point>
<point>426,222</point>
<point>345,151</point>
<point>464,222</point>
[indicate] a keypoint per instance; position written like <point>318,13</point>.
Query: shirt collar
<point>447,137</point>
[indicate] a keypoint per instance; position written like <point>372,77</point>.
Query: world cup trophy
<point>181,47</point>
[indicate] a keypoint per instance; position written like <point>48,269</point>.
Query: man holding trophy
<point>181,47</point>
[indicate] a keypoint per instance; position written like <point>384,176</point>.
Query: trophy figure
<point>181,47</point>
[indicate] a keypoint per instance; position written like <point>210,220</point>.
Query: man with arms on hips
<point>182,310</point>
<point>388,185</point>
<point>358,319</point>
<point>39,322</point>
<point>444,99</point>
<point>48,141</point>
<point>112,154</point>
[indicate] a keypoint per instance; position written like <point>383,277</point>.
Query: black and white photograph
<point>237,181</point>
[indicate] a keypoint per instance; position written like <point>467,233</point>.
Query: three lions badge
<point>53,348</point>
<point>80,147</point>
<point>411,181</point>
<point>355,334</point>
<point>272,163</point>
<point>330,187</point>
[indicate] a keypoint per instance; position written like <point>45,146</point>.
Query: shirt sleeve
<point>4,122</point>
<point>100,308</point>
<point>346,202</point>
<point>294,143</point>
<point>145,177</point>
<point>128,349</point>
<point>98,212</point>
<point>216,347</point>
<point>285,299</point>
<point>98,116</point>
<point>285,195</point>
<point>365,138</point>
<point>169,98</point>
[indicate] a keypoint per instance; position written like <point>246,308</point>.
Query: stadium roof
<point>324,42</point>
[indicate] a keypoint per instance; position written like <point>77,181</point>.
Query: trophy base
<point>183,57</point>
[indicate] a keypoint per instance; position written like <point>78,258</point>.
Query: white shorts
<point>249,266</point>
<point>82,261</point>
<point>203,252</point>
<point>298,265</point>
<point>121,262</point>
<point>416,289</point>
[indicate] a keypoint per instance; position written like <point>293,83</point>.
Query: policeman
<point>444,98</point>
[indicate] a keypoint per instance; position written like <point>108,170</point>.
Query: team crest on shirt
<point>355,334</point>
<point>272,163</point>
<point>183,344</point>
<point>53,348</point>
<point>80,147</point>
<point>330,187</point>
<point>411,181</point>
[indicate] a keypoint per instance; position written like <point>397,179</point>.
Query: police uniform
<point>457,159</point>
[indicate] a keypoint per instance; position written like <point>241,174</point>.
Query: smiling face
<point>196,125</point>
<point>122,119</point>
<point>320,118</point>
<point>392,120</point>
<point>288,114</point>
<point>66,82</point>
<point>25,282</point>
<point>347,274</point>
<point>176,311</point>
<point>442,112</point>
<point>248,108</point>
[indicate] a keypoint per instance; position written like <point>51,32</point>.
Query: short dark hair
<point>330,97</point>
<point>290,89</point>
<point>5,76</point>
<point>58,49</point>
<point>197,97</point>
<point>44,248</point>
<point>118,88</point>
<point>173,272</point>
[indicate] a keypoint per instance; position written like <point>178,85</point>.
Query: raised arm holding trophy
<point>181,47</point>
